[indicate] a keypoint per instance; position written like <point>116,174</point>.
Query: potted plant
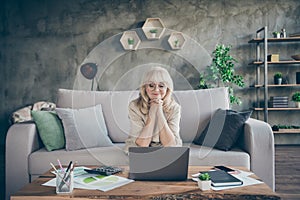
<point>130,42</point>
<point>276,34</point>
<point>176,43</point>
<point>221,73</point>
<point>278,78</point>
<point>296,99</point>
<point>204,181</point>
<point>153,32</point>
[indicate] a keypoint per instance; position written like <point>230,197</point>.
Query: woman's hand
<point>153,109</point>
<point>166,136</point>
<point>156,106</point>
<point>146,135</point>
<point>156,111</point>
<point>157,101</point>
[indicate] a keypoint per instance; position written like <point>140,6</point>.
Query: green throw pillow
<point>50,129</point>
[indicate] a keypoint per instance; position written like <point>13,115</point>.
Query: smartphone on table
<point>226,169</point>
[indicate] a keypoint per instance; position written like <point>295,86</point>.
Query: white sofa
<point>25,151</point>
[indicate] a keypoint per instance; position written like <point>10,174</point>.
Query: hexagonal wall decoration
<point>176,40</point>
<point>130,40</point>
<point>153,28</point>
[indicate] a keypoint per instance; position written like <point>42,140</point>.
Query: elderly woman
<point>154,115</point>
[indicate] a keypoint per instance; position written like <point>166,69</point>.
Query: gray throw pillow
<point>84,128</point>
<point>223,130</point>
<point>50,129</point>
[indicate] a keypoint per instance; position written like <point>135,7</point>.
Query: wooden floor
<point>287,172</point>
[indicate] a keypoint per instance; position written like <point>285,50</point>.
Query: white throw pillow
<point>84,128</point>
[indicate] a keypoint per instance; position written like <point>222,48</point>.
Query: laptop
<point>158,163</point>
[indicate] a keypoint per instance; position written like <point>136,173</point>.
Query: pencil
<point>61,167</point>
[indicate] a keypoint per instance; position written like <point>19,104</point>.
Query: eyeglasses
<point>152,86</point>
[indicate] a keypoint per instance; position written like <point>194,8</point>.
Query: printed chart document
<point>84,180</point>
<point>100,182</point>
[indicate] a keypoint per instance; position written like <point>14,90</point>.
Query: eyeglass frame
<point>147,85</point>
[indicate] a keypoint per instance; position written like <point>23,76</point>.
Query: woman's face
<point>156,90</point>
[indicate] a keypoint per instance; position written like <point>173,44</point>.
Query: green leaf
<point>222,72</point>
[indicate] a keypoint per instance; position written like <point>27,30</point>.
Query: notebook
<point>221,178</point>
<point>158,163</point>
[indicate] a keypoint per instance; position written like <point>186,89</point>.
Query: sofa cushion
<point>197,106</point>
<point>114,106</point>
<point>114,155</point>
<point>50,129</point>
<point>207,156</point>
<point>223,130</point>
<point>111,155</point>
<point>84,128</point>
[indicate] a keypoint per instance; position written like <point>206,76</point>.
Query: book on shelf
<point>279,106</point>
<point>221,178</point>
<point>295,35</point>
<point>279,102</point>
<point>279,98</point>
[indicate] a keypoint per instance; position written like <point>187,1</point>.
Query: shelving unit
<point>176,40</point>
<point>262,65</point>
<point>282,85</point>
<point>153,24</point>
<point>130,35</point>
<point>278,63</point>
<point>287,131</point>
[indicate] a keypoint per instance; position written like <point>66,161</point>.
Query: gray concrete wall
<point>42,43</point>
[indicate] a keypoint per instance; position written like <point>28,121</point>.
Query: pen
<point>68,168</point>
<point>74,165</point>
<point>71,169</point>
<point>67,175</point>
<point>57,173</point>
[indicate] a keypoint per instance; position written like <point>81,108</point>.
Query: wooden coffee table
<point>146,190</point>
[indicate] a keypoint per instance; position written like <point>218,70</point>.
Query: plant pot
<point>130,46</point>
<point>277,81</point>
<point>297,104</point>
<point>277,35</point>
<point>204,185</point>
<point>153,35</point>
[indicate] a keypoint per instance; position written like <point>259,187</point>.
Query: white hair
<point>158,74</point>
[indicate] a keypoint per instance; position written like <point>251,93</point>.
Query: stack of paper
<point>242,176</point>
<point>84,180</point>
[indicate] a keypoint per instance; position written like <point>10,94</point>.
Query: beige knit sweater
<point>138,121</point>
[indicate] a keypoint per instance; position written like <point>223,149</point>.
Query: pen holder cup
<point>64,183</point>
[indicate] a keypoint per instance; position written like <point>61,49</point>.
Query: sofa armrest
<point>21,140</point>
<point>258,141</point>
